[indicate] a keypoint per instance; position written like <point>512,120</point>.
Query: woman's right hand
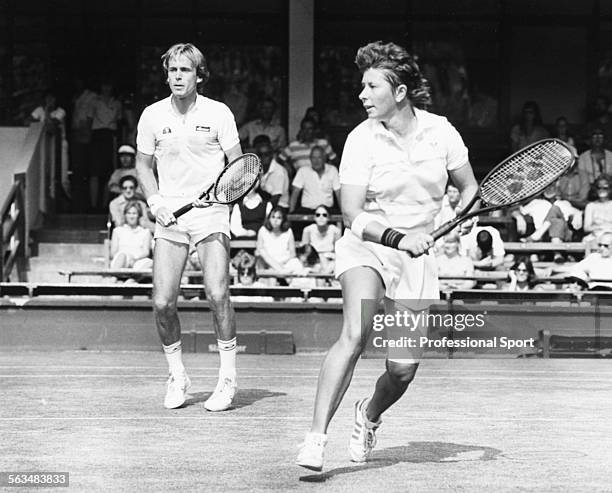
<point>416,245</point>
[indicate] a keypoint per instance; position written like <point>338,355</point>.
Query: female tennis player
<point>394,171</point>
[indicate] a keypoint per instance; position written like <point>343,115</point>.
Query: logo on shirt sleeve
<point>166,130</point>
<point>202,128</point>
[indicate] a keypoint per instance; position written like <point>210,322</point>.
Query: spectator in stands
<point>483,244</point>
<point>561,131</point>
<point>313,114</point>
<point>116,208</point>
<point>264,125</point>
<point>310,263</point>
<point>127,166</point>
<point>345,113</point>
<point>247,278</point>
<point>451,202</point>
<point>297,154</point>
<point>594,162</point>
<point>530,128</point>
<point>249,215</point>
<point>50,111</point>
<point>236,98</point>
<point>274,181</point>
<point>541,219</point>
<point>131,243</point>
<point>598,213</point>
<point>317,184</point>
<point>107,112</point>
<point>80,141</point>
<point>322,236</point>
<point>572,215</point>
<point>600,121</point>
<point>276,244</point>
<point>522,275</point>
<point>129,119</point>
<point>571,188</point>
<point>452,263</point>
<point>597,265</point>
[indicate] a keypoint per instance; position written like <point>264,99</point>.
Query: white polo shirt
<point>317,189</point>
<point>189,149</point>
<point>276,182</point>
<point>405,185</point>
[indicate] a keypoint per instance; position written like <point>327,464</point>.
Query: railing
<point>13,236</point>
<point>28,169</point>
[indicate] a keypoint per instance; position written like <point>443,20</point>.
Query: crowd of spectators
<point>300,177</point>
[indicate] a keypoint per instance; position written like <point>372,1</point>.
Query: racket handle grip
<point>183,210</point>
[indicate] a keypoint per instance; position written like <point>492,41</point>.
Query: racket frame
<point>204,195</point>
<point>463,216</point>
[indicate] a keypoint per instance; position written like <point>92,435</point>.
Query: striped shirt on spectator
<point>297,153</point>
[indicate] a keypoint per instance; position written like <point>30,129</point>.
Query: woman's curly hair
<point>400,68</point>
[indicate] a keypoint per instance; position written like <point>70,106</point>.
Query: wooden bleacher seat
<point>544,247</point>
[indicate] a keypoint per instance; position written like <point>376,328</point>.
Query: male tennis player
<point>189,136</point>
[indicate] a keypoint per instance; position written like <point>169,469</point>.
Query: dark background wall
<point>478,53</point>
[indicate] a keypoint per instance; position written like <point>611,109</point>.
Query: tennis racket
<point>517,178</point>
<point>234,182</point>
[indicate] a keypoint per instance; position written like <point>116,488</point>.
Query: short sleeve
<point>145,138</point>
<point>355,163</point>
<point>456,151</point>
<point>228,133</point>
<point>299,180</point>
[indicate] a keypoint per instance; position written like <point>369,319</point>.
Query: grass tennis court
<point>465,425</point>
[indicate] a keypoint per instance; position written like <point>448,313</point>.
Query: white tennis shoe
<point>221,399</point>
<point>176,391</point>
<point>363,439</point>
<point>312,451</point>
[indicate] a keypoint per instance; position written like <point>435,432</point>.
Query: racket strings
<point>237,179</point>
<point>526,174</point>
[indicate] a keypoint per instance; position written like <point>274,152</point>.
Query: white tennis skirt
<point>404,277</point>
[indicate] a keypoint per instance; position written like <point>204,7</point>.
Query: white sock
<point>174,356</point>
<point>320,438</point>
<point>227,357</point>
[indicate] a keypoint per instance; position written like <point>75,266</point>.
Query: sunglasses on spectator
<point>127,187</point>
<point>604,245</point>
<point>320,214</point>
<point>603,187</point>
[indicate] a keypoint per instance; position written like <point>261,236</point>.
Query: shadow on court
<point>243,398</point>
<point>415,452</point>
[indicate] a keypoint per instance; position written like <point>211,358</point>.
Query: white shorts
<point>404,277</point>
<point>196,224</point>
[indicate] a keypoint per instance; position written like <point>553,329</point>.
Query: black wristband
<point>391,238</point>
